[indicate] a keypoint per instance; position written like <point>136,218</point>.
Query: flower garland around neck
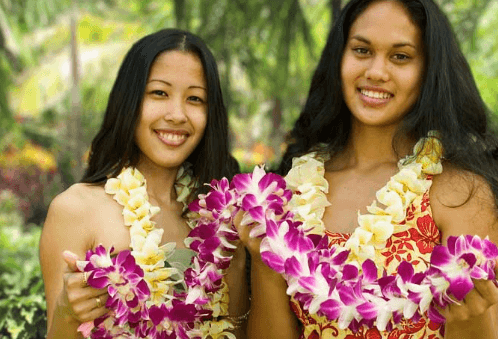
<point>346,284</point>
<point>144,298</point>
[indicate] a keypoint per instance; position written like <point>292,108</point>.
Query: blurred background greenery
<point>58,61</point>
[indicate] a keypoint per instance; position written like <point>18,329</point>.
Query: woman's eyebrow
<point>396,45</point>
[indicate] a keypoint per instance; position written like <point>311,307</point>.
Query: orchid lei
<point>344,283</point>
<point>147,299</point>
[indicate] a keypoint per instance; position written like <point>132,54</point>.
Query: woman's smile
<point>172,137</point>
<point>374,97</point>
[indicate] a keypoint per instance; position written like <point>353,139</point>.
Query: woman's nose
<point>378,69</point>
<point>175,111</point>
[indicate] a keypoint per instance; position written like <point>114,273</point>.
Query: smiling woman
<point>391,156</point>
<point>382,65</point>
<point>164,133</point>
<point>174,109</point>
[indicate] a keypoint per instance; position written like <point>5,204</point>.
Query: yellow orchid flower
<point>380,227</point>
<point>112,186</point>
<point>129,217</point>
<point>129,180</point>
<point>217,329</point>
<point>122,197</point>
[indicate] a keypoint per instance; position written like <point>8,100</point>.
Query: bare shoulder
<point>463,202</point>
<point>70,217</point>
<point>77,199</point>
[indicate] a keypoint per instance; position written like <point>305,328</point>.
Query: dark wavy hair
<point>449,100</point>
<point>114,147</point>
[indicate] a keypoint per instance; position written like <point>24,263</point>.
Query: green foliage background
<point>266,51</point>
<point>22,301</point>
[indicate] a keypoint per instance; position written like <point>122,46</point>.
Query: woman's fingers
<point>471,305</point>
<point>487,290</point>
<point>76,280</point>
<point>91,308</point>
<point>70,258</point>
<point>476,302</point>
<point>84,302</point>
<point>243,231</point>
<point>251,244</point>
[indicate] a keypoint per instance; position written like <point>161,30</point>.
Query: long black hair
<point>114,147</point>
<point>449,100</point>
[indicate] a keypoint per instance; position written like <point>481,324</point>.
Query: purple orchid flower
<point>463,259</point>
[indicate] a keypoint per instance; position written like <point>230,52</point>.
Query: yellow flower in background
<point>29,155</point>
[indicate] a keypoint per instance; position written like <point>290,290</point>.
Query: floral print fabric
<point>414,245</point>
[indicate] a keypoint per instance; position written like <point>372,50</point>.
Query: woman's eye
<point>159,92</point>
<point>361,50</point>
<point>195,99</point>
<point>401,57</point>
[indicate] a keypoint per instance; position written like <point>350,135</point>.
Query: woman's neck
<point>160,182</point>
<point>369,147</point>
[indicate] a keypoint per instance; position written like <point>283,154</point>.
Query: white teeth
<point>172,136</point>
<point>375,95</point>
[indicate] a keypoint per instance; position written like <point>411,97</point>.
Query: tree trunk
<point>73,148</point>
<point>10,50</point>
<point>181,14</point>
<point>276,135</point>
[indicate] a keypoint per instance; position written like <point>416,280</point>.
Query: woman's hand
<point>476,302</point>
<point>252,244</point>
<point>82,302</point>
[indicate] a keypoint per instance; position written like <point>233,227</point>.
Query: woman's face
<point>174,109</point>
<point>382,65</point>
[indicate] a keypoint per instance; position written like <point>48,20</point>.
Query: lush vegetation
<point>58,59</point>
<point>22,303</point>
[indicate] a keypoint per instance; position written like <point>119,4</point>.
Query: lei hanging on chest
<point>345,284</point>
<point>348,284</point>
<point>148,298</point>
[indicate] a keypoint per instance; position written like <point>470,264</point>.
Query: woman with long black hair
<point>393,116</point>
<point>166,129</point>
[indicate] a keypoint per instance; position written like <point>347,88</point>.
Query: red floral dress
<point>413,245</point>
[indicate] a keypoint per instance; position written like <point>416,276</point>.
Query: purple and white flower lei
<point>180,314</point>
<point>321,277</point>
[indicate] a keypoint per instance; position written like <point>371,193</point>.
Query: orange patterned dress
<point>414,245</point>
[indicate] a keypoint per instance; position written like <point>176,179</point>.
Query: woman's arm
<point>463,203</point>
<point>69,300</point>
<point>271,316</point>
<point>238,287</point>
